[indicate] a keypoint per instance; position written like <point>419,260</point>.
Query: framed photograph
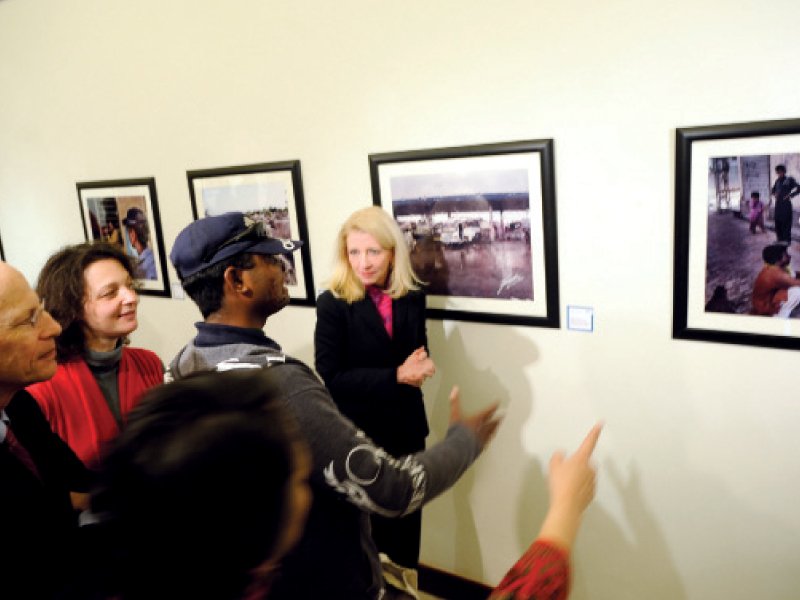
<point>480,222</point>
<point>737,250</point>
<point>267,192</point>
<point>125,212</point>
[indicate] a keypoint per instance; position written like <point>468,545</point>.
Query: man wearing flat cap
<point>139,235</point>
<point>234,272</point>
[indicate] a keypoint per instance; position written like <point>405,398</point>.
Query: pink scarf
<point>383,302</point>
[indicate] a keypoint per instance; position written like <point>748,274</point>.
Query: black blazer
<point>358,362</point>
<point>39,526</point>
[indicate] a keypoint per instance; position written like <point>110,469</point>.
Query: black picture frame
<point>106,206</point>
<point>481,224</point>
<point>717,170</point>
<point>274,189</point>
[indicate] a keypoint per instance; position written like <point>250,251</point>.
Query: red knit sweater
<point>77,410</point>
<point>541,574</point>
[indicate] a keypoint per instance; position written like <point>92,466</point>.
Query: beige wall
<point>698,492</point>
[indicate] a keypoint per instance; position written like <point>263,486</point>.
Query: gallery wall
<point>698,488</point>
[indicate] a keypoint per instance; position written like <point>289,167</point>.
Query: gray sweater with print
<point>351,477</point>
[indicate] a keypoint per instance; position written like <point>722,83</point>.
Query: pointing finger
<point>455,405</point>
<point>589,443</point>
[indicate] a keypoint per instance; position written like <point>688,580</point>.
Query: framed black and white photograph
<point>737,237</point>
<point>271,193</point>
<point>125,212</point>
<point>480,222</point>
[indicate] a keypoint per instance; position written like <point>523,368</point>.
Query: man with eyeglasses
<point>40,477</point>
<point>234,272</point>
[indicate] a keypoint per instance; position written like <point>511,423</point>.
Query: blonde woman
<point>370,349</point>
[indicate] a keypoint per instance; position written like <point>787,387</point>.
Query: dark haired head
<point>206,287</point>
<point>780,169</point>
<point>137,221</point>
<point>197,488</point>
<point>755,195</point>
<point>62,286</point>
<point>773,253</point>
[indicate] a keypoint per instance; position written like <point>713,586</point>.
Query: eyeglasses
<point>32,320</point>
<point>255,230</point>
<point>37,314</point>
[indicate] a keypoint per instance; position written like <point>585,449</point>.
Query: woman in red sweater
<point>543,571</point>
<point>90,290</point>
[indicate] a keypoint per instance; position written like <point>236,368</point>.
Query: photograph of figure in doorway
<point>123,221</point>
<point>469,233</point>
<point>124,213</point>
<point>753,250</point>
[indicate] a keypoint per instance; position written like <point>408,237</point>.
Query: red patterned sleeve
<point>541,574</point>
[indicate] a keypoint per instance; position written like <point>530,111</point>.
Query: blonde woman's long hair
<point>375,221</point>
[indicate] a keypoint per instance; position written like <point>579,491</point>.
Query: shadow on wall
<point>607,564</point>
<point>610,565</point>
<point>532,503</point>
<point>610,560</point>
<point>733,551</point>
<point>669,524</point>
<point>688,525</point>
<point>459,357</point>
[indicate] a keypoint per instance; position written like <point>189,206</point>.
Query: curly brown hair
<point>62,286</point>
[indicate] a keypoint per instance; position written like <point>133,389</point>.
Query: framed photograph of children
<point>480,222</point>
<point>737,238</point>
<point>125,212</point>
<point>268,192</point>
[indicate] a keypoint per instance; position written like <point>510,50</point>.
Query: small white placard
<point>580,318</point>
<point>177,290</point>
